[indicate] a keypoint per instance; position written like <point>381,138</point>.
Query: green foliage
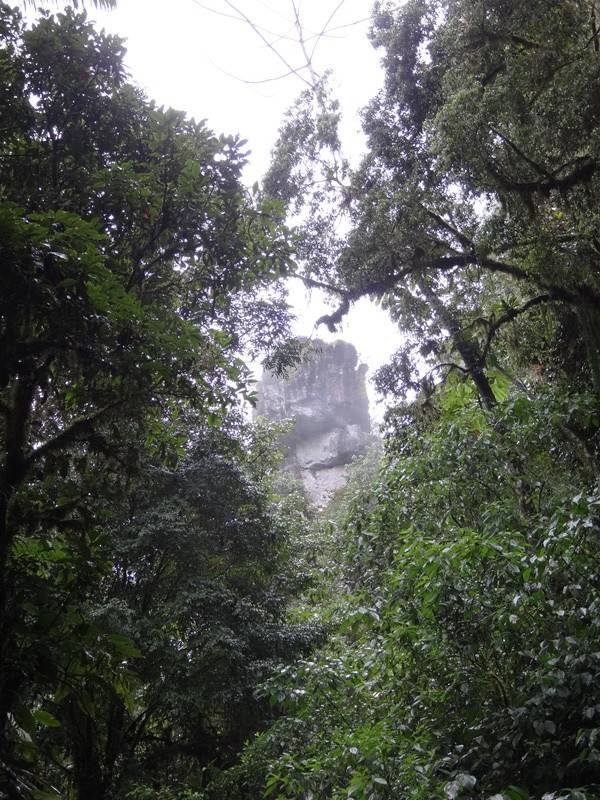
<point>128,247</point>
<point>163,588</point>
<point>465,662</point>
<point>194,605</point>
<point>473,215</point>
<point>463,651</point>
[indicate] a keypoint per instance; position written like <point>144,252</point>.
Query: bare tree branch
<point>347,25</point>
<point>325,27</point>
<point>216,11</point>
<point>262,80</point>
<point>309,64</point>
<point>264,39</point>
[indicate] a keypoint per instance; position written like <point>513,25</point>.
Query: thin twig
<point>264,39</point>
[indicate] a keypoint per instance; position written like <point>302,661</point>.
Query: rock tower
<point>327,399</point>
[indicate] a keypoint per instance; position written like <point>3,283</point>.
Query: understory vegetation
<point>176,621</point>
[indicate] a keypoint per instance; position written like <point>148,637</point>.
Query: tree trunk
<point>10,679</point>
<point>88,778</point>
<point>588,316</point>
<point>468,350</point>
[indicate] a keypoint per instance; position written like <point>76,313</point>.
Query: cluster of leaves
<point>475,207</point>
<point>145,547</point>
<point>143,579</point>
<point>463,660</point>
<point>153,663</point>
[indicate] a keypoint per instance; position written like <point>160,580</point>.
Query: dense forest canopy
<point>128,244</point>
<point>175,621</point>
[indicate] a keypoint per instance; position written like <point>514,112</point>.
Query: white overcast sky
<point>193,55</point>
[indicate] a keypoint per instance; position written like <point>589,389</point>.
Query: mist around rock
<point>327,400</point>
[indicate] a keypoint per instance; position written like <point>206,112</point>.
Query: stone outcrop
<point>327,399</point>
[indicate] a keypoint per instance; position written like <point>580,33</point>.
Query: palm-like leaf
<point>105,4</point>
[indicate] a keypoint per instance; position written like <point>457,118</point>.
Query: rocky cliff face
<point>327,398</point>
